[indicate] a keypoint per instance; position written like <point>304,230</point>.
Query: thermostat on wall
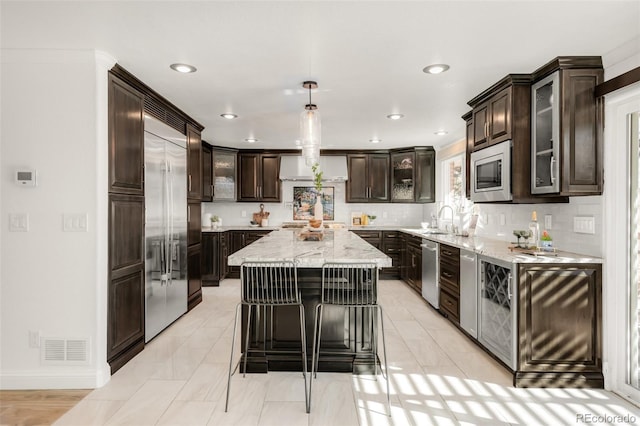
<point>26,177</point>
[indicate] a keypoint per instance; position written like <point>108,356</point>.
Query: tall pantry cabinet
<point>129,101</point>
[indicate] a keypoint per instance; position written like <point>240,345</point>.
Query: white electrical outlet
<point>244,213</point>
<point>503,219</point>
<point>548,221</point>
<point>75,222</point>
<point>384,215</point>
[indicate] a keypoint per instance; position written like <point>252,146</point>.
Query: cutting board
<point>257,217</point>
<point>532,251</point>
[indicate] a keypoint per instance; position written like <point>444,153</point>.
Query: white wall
<point>396,214</point>
<point>53,109</point>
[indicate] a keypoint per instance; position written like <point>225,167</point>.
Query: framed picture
<point>304,201</point>
<point>356,218</point>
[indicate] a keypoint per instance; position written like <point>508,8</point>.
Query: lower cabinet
<point>392,246</point>
<point>411,262</point>
<point>449,279</point>
<point>236,241</point>
<point>194,268</point>
<point>211,259</point>
<point>560,326</point>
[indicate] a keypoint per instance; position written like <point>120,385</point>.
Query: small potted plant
<point>372,219</point>
<point>546,243</point>
<point>216,221</point>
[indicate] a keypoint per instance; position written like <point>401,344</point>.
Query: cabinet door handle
<point>486,129</point>
<point>189,183</point>
<point>213,191</point>
<point>188,213</point>
<point>413,261</point>
<point>552,170</point>
<point>446,274</point>
<point>509,289</point>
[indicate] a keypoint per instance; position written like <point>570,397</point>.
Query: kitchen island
<point>346,332</point>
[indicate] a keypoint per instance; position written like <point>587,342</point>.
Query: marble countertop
<point>241,228</point>
<point>338,245</point>
<point>498,249</point>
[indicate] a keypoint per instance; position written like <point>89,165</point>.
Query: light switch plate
<point>584,225</point>
<point>75,222</point>
<point>19,222</point>
<point>548,221</point>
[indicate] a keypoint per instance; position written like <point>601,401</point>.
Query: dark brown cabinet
<point>194,223</point>
<point>411,262</point>
<point>560,325</point>
<point>259,177</point>
<point>449,279</point>
<point>468,118</point>
<point>125,299</point>
<point>194,281</point>
<point>413,176</point>
<point>207,173</point>
<point>370,236</point>
<point>368,178</point>
<point>126,138</point>
<point>194,163</point>
<point>211,259</point>
<point>492,119</point>
<point>425,175</point>
<point>566,127</point>
<point>392,246</point>
<point>237,240</point>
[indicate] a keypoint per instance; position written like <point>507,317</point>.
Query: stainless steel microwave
<point>491,173</point>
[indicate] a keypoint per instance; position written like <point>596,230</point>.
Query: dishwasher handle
<point>424,246</point>
<point>467,258</point>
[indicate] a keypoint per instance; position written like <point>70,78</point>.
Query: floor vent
<point>65,351</point>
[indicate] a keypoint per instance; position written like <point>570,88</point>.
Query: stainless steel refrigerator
<point>165,195</point>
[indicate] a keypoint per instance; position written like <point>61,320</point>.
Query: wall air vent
<point>64,351</point>
<point>155,109</point>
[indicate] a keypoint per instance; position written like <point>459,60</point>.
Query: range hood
<point>333,167</point>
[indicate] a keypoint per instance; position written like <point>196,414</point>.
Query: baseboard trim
<point>81,378</point>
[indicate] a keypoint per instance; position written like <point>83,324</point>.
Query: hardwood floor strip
<point>37,407</point>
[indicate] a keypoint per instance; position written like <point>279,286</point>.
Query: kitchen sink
<point>432,232</point>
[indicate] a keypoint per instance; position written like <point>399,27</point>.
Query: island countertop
<point>338,245</point>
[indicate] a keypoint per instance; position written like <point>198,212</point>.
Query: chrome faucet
<point>453,227</point>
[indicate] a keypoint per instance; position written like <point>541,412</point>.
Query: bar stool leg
<point>374,338</point>
<point>384,352</point>
<point>233,345</point>
<point>303,340</point>
<point>246,347</point>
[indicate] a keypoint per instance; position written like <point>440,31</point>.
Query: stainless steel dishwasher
<point>469,292</point>
<point>430,286</point>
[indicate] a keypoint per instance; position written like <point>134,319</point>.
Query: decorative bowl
<point>315,223</point>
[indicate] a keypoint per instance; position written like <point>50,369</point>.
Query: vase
<point>317,210</point>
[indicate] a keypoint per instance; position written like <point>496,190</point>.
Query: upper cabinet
<point>218,173</point>
<point>413,176</point>
<point>368,178</point>
<point>194,163</point>
<point>259,177</point>
<point>492,119</point>
<point>566,132</point>
<point>126,138</point>
<point>502,113</point>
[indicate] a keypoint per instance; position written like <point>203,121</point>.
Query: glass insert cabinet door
<point>403,177</point>
<point>545,135</point>
<point>224,176</point>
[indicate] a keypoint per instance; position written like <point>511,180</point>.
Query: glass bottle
<point>534,230</point>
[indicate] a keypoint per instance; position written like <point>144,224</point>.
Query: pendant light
<point>310,128</point>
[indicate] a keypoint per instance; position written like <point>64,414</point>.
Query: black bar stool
<point>353,285</point>
<point>268,284</point>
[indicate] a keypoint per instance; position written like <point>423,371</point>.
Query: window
<point>453,182</point>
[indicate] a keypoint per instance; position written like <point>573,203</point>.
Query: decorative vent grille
<point>157,110</point>
<point>62,351</point>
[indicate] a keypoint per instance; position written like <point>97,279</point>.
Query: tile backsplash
<point>499,220</point>
<point>387,213</point>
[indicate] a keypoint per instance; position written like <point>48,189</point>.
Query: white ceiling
<point>367,57</point>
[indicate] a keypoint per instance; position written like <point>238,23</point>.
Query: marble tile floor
<point>438,377</point>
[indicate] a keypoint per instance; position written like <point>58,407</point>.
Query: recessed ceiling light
<point>375,140</point>
<point>395,116</point>
<point>251,140</point>
<point>229,116</point>
<point>435,68</point>
<point>441,132</point>
<point>183,68</point>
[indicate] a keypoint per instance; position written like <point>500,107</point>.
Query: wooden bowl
<point>315,223</point>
